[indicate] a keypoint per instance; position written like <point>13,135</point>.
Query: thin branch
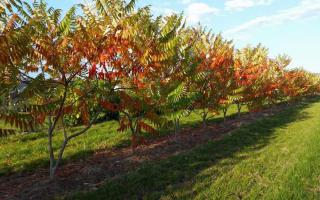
<point>64,130</point>
<point>52,127</point>
<point>84,130</point>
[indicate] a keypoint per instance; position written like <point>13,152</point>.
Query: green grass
<point>29,152</point>
<point>273,158</point>
<point>3,125</point>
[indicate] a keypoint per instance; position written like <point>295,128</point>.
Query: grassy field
<point>273,158</point>
<point>29,152</point>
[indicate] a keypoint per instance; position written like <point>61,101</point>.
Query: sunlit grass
<point>29,152</point>
<point>273,158</point>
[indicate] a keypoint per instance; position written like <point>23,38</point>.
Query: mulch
<point>90,173</point>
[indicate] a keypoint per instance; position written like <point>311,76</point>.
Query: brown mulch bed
<point>90,173</point>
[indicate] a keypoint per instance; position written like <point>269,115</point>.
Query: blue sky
<point>284,26</point>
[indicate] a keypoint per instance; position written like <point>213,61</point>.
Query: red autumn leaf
<point>93,71</point>
<point>101,75</point>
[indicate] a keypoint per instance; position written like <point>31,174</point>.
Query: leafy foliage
<point>112,57</point>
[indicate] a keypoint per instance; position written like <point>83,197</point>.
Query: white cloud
<point>305,10</point>
<point>239,5</point>
<point>197,11</point>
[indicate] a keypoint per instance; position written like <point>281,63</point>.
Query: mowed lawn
<point>29,152</point>
<point>274,158</point>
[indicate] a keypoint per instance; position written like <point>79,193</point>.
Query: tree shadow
<point>39,163</point>
<point>155,178</point>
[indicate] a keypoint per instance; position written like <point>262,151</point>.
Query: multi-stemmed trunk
<point>176,123</point>
<point>204,118</point>
<point>239,106</point>
<point>52,126</point>
<point>135,131</point>
<point>134,140</point>
<point>225,110</point>
<point>55,162</point>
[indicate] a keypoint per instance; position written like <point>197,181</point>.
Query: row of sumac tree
<point>111,59</point>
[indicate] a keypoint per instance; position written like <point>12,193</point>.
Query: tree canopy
<point>112,56</point>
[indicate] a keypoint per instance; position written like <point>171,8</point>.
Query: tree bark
<point>52,127</point>
<point>59,159</point>
<point>50,149</point>
<point>176,122</point>
<point>239,109</point>
<point>55,163</point>
<point>204,119</point>
<point>225,110</point>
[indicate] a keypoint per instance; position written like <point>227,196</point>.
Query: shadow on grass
<point>43,163</point>
<point>36,164</point>
<point>153,179</point>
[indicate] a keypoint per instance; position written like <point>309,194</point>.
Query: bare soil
<point>89,174</point>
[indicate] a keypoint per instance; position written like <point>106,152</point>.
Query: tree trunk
<point>225,110</point>
<point>176,122</point>
<point>135,136</point>
<point>133,143</point>
<point>59,159</point>
<point>239,109</point>
<point>50,148</point>
<point>51,168</point>
<point>52,126</point>
<point>55,163</point>
<point>204,119</point>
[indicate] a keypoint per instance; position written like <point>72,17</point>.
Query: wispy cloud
<point>305,10</point>
<point>239,5</point>
<point>196,11</point>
